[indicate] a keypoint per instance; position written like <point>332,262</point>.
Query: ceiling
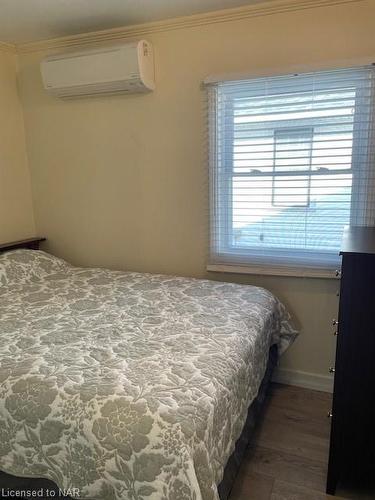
<point>31,20</point>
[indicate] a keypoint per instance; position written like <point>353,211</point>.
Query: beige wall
<point>16,216</point>
<point>122,181</point>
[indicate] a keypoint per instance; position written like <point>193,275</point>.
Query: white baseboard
<point>304,379</point>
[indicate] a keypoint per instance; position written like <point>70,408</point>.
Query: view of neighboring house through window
<point>290,166</point>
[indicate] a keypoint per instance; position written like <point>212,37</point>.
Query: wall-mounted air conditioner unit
<point>111,70</point>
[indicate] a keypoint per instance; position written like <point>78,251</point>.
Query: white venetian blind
<point>291,164</point>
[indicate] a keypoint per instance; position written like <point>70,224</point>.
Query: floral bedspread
<point>127,385</point>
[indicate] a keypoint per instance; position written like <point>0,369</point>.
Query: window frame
<point>290,173</point>
<point>221,185</point>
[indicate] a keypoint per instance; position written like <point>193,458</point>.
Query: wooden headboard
<point>31,244</point>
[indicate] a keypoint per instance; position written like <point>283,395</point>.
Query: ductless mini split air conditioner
<point>127,68</point>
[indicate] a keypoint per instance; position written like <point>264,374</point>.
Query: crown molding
<point>7,47</point>
<point>141,30</point>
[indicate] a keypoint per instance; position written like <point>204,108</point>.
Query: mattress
<point>120,385</point>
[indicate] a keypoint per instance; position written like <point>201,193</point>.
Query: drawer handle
<point>335,333</point>
<point>338,273</point>
<point>331,369</point>
<point>335,322</point>
<point>330,414</point>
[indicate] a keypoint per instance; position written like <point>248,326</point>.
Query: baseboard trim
<point>307,380</point>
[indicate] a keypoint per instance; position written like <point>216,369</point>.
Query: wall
<point>122,181</point>
<point>16,215</point>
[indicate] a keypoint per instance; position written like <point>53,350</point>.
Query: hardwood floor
<point>288,458</point>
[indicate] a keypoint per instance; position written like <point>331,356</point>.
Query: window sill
<point>273,271</point>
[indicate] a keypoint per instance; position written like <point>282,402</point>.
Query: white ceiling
<point>32,20</point>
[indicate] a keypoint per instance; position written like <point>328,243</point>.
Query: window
<point>291,164</point>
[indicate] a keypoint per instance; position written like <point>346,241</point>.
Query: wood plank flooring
<point>288,457</point>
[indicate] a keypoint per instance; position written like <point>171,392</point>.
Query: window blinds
<point>291,164</point>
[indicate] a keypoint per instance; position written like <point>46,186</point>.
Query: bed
<point>123,385</point>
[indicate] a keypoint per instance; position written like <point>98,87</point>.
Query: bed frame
<point>30,244</point>
<point>254,416</point>
<point>255,412</point>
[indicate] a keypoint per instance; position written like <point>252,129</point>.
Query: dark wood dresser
<point>352,448</point>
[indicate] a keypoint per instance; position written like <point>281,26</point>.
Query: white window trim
<point>296,272</point>
<point>263,269</point>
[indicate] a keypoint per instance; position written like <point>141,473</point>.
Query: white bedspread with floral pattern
<point>127,385</point>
